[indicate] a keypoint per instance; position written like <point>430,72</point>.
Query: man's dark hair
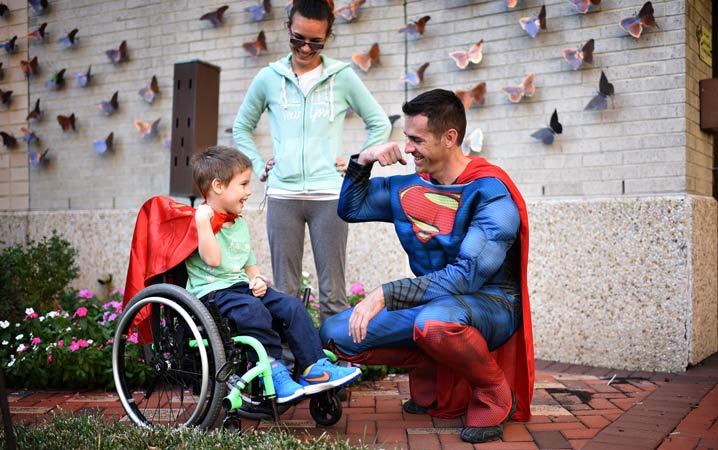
<point>442,108</point>
<point>218,162</point>
<point>313,9</point>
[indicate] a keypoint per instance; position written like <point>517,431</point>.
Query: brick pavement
<point>574,407</point>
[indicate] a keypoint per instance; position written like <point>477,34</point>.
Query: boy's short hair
<point>443,110</point>
<point>219,162</point>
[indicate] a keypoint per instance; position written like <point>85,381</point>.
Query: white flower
<point>19,336</point>
<point>90,341</point>
<point>52,314</point>
<point>4,324</point>
<point>4,342</point>
<point>68,328</point>
<point>20,348</point>
<point>29,311</point>
<point>12,361</point>
<point>305,274</point>
<point>41,318</point>
<point>17,325</point>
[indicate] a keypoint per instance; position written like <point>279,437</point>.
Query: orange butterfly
<point>477,95</point>
<point>365,60</point>
<point>255,47</point>
<point>525,89</point>
<point>147,130</point>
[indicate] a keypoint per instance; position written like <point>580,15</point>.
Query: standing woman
<point>307,95</point>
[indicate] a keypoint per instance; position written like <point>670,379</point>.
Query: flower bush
<point>68,348</point>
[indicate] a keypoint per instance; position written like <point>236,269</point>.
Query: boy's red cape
<point>516,357</point>
<point>165,235</point>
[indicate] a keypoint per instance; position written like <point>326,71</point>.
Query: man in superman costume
<point>463,324</point>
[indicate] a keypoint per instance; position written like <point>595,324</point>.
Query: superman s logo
<point>430,212</point>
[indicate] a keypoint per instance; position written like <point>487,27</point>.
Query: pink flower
<point>110,341</point>
<point>358,289</point>
<point>83,343</point>
<point>22,348</point>
<point>81,311</point>
<point>85,294</point>
<point>60,343</point>
<point>117,306</point>
<point>132,338</point>
<point>36,340</point>
<point>74,346</point>
<point>49,358</point>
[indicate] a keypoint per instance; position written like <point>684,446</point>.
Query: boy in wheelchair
<point>223,269</point>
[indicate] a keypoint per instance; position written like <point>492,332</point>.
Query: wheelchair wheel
<point>165,381</point>
<point>325,408</point>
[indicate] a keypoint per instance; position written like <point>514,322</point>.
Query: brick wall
<point>648,140</point>
<point>14,183</point>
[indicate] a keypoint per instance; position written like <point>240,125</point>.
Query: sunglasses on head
<point>299,43</point>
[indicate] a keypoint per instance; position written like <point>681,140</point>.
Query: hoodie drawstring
<point>285,102</point>
<point>331,98</point>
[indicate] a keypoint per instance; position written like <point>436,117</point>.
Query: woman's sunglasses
<point>299,43</point>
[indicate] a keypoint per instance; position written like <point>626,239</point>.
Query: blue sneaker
<point>286,388</point>
<point>323,375</point>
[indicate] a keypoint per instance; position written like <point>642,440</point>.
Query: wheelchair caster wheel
<point>326,408</point>
<point>232,424</point>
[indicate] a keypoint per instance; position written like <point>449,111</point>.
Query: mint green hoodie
<point>306,132</point>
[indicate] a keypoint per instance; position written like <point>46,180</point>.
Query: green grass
<point>66,431</point>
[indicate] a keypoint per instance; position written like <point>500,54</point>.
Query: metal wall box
<point>709,104</point>
<point>195,118</point>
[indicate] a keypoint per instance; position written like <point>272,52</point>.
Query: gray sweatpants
<point>328,235</point>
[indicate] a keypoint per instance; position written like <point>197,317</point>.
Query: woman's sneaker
<point>323,375</point>
<point>286,388</point>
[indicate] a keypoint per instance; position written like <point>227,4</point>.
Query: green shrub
<point>66,431</point>
<point>35,275</point>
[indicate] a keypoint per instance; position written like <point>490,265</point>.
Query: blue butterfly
<point>119,55</point>
<point>56,81</point>
<point>10,46</point>
<point>415,77</point>
<point>83,78</point>
<point>69,40</point>
<point>259,11</point>
<point>109,107</point>
<point>28,135</point>
<point>149,92</point>
<point>532,25</point>
<point>40,6</point>
<point>546,135</point>
<point>38,159</point>
<point>414,29</point>
<point>104,145</point>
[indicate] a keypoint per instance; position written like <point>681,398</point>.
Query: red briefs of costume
<point>452,392</point>
<point>165,235</point>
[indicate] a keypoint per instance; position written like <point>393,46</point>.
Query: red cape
<point>516,357</point>
<point>165,235</point>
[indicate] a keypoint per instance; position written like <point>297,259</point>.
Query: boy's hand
<point>258,286</point>
<point>204,213</point>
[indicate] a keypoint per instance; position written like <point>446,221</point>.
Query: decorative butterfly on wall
<point>365,60</point>
<point>39,34</point>
<point>416,28</point>
<point>546,135</point>
<point>36,113</point>
<point>109,107</point>
<point>104,145</point>
<point>8,140</point>
<point>119,55</point>
<point>148,93</point>
<point>4,10</point>
<point>259,12</point>
<point>393,118</point>
<point>147,130</point>
<point>600,101</point>
<point>583,6</point>
<point>476,94</point>
<point>511,4</point>
<point>83,78</point>
<point>70,39</point>
<point>525,89</point>
<point>473,143</point>
<point>5,97</point>
<point>10,46</point>
<point>257,46</point>
<point>634,25</point>
<point>56,81</point>
<point>215,17</point>
<point>40,6</point>
<point>473,56</point>
<point>415,77</point>
<point>351,11</point>
<point>28,135</point>
<point>576,57</point>
<point>533,24</point>
<point>30,68</point>
<point>67,123</point>
<point>37,159</point>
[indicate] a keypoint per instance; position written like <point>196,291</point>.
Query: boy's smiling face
<point>230,198</point>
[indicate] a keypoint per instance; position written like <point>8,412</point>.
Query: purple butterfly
<point>40,6</point>
<point>69,40</point>
<point>10,46</point>
<point>600,101</point>
<point>259,11</point>
<point>109,107</point>
<point>415,77</point>
<point>414,29</point>
<point>532,25</point>
<point>83,78</point>
<point>148,93</point>
<point>215,17</point>
<point>28,135</point>
<point>546,135</point>
<point>119,55</point>
<point>38,159</point>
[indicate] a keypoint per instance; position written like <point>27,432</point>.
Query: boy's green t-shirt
<point>237,253</point>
